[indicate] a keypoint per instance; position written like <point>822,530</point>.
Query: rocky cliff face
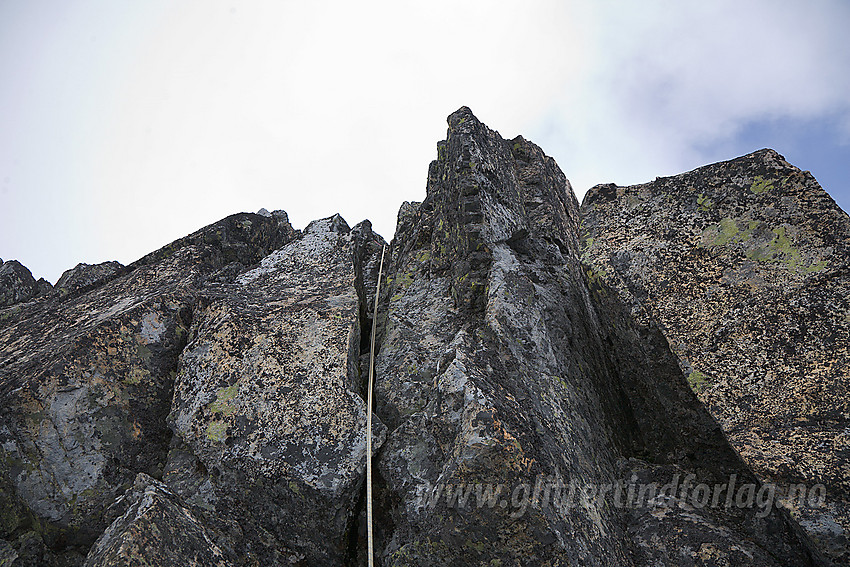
<point>555,385</point>
<point>745,266</point>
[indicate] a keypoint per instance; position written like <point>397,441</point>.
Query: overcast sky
<point>125,125</point>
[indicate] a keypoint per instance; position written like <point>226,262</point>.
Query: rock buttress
<point>474,373</point>
<point>745,266</point>
<point>268,405</point>
<point>495,373</point>
<point>17,284</point>
<point>86,380</point>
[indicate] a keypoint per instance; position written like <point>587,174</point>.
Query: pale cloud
<point>670,78</point>
<point>125,128</point>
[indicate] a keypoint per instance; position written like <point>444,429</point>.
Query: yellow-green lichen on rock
<point>698,381</point>
<point>91,382</point>
<point>216,431</point>
<point>760,185</point>
<point>286,414</point>
<point>223,403</point>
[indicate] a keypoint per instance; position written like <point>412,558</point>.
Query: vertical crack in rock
<point>269,396</point>
<point>367,258</point>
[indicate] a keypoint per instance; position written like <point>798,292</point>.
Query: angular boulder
<point>17,284</point>
<point>155,528</point>
<point>85,275</point>
<point>745,265</point>
<point>86,381</point>
<point>268,397</point>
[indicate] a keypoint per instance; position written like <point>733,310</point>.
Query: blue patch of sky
<point>821,146</point>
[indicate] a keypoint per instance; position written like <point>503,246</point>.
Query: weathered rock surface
<point>745,265</point>
<point>477,386</point>
<point>494,371</point>
<point>155,528</point>
<point>86,381</point>
<point>205,404</point>
<point>268,395</point>
<point>17,284</point>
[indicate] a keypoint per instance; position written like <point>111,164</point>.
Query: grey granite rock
<point>495,372</point>
<point>17,284</point>
<point>745,266</point>
<point>86,381</point>
<point>555,386</point>
<point>155,528</point>
<point>85,275</point>
<point>269,396</point>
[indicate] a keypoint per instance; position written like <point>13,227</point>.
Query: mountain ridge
<point>214,388</point>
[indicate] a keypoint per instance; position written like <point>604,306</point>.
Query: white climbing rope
<point>369,416</point>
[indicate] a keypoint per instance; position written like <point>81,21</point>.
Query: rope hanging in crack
<point>369,416</point>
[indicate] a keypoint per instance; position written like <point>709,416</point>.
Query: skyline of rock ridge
<point>536,360</point>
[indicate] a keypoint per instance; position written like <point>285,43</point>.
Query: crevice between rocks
<point>357,550</point>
